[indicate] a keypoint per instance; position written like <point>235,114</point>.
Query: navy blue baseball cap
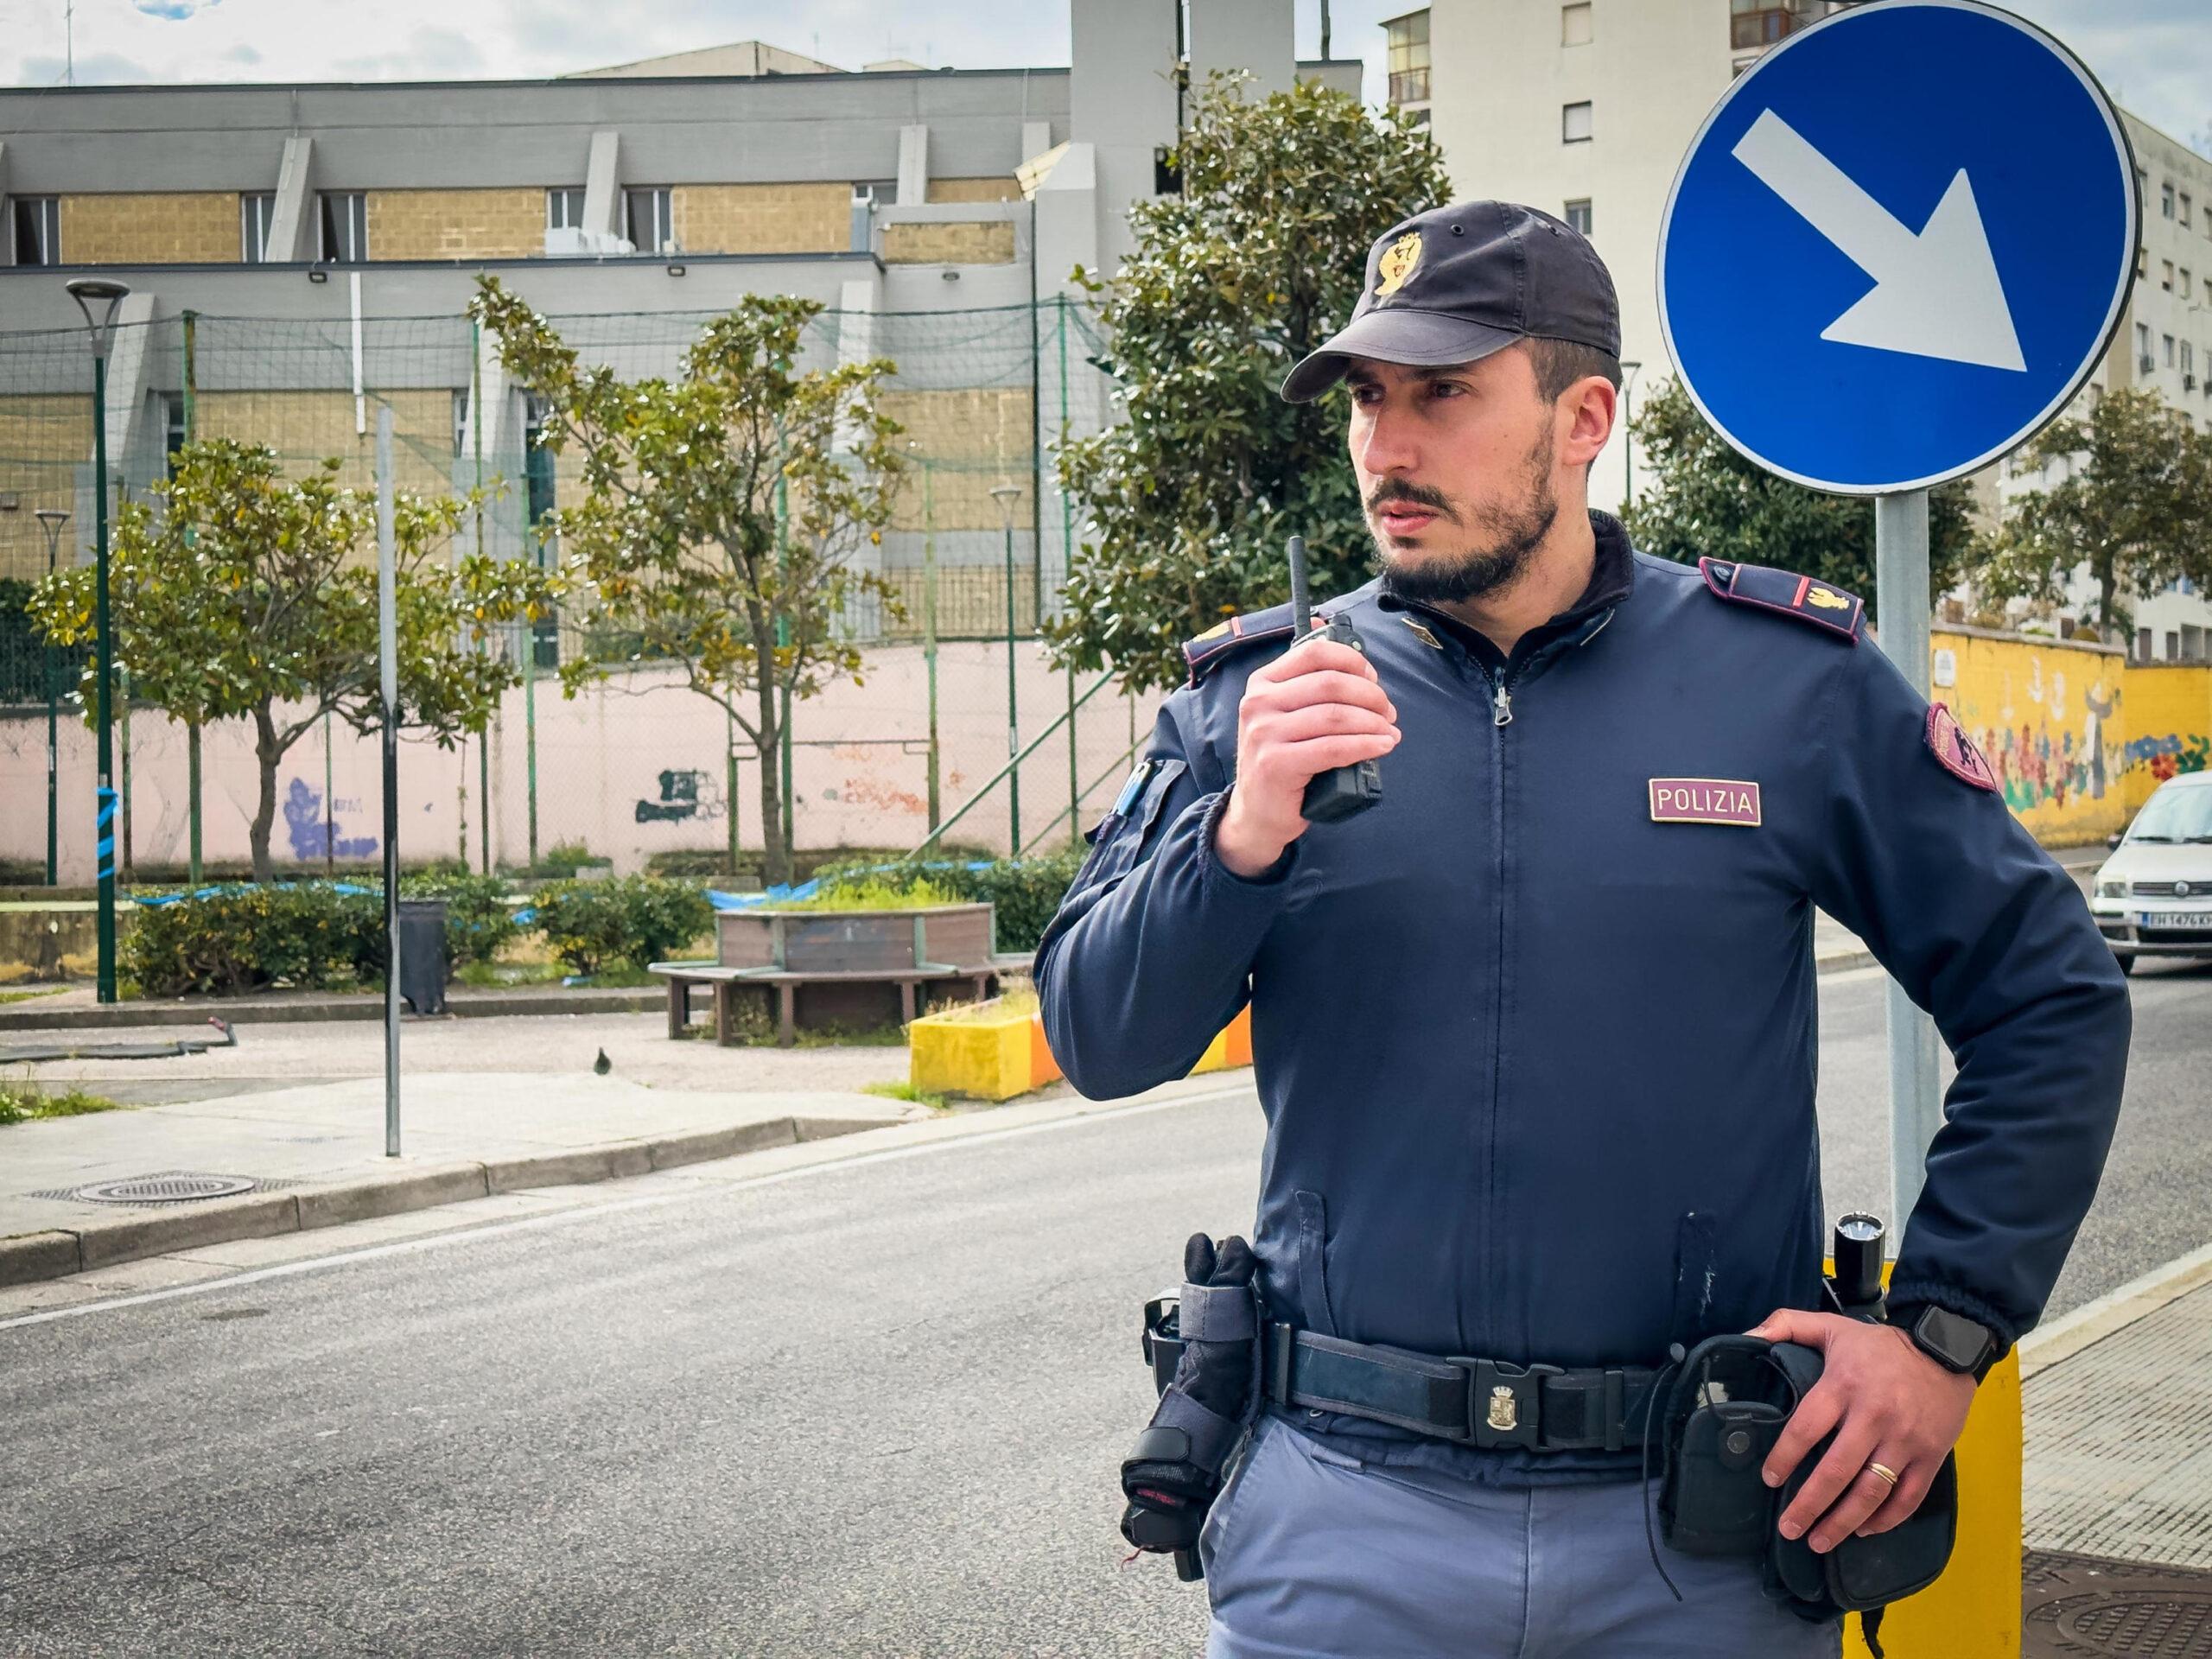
<point>1457,283</point>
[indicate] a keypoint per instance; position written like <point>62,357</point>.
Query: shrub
<point>564,859</point>
<point>638,919</point>
<point>1024,892</point>
<point>305,936</point>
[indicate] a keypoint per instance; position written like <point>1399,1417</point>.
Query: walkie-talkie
<point>1338,793</point>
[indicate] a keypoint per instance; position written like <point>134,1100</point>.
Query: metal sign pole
<point>1901,586</point>
<point>388,684</point>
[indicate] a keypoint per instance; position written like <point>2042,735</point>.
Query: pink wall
<point>600,763</point>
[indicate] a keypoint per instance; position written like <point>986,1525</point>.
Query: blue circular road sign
<point>1897,246</point>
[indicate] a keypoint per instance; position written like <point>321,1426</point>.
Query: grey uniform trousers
<point>1313,1554</point>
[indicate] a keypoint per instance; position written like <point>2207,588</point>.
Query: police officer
<point>1536,1035</point>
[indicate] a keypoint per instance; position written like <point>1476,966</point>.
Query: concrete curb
<point>2113,1311</point>
<point>1843,962</point>
<point>29,1016</point>
<point>59,1251</point>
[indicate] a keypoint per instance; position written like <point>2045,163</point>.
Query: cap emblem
<point>1397,263</point>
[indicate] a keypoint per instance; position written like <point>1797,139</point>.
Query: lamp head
<point>1006,495</point>
<point>90,291</point>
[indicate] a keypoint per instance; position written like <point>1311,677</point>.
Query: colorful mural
<point>2047,715</point>
<point>2170,723</point>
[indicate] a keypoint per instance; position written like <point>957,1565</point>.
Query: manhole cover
<point>2080,1605</point>
<point>163,1189</point>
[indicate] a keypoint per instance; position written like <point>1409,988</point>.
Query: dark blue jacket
<point>1535,1038</point>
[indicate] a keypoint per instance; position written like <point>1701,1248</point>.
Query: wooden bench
<point>683,975</point>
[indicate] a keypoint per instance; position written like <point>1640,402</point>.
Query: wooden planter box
<point>857,941</point>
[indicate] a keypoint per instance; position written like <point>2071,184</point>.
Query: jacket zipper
<point>1500,717</point>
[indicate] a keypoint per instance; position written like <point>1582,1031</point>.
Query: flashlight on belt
<point>1857,1282</point>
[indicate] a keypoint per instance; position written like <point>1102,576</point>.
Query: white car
<point>2154,897</point>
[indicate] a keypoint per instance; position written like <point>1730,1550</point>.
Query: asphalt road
<point>872,1407</point>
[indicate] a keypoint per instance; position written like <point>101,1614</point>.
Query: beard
<point>1503,537</point>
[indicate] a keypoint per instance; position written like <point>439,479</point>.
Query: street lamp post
<point>1006,495</point>
<point>1627,442</point>
<point>50,520</point>
<point>89,292</point>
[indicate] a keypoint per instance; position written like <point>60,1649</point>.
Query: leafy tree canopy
<point>1189,499</point>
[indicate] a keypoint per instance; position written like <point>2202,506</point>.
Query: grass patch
<point>22,1103</point>
<point>25,997</point>
<point>997,1007</point>
<point>905,1091</point>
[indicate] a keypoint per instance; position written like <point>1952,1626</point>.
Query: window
<point>1407,39</point>
<point>2142,644</point>
<point>2166,199</point>
<point>564,210</point>
<point>1574,124</point>
<point>461,423</point>
<point>172,413</point>
<point>1578,215</point>
<point>2173,645</point>
<point>256,215</point>
<point>2166,275</point>
<point>2188,359</point>
<point>1575,24</point>
<point>1762,22</point>
<point>38,230</point>
<point>345,216</point>
<point>2185,281</point>
<point>2169,339</point>
<point>645,220</point>
<point>2143,343</point>
<point>2184,210</point>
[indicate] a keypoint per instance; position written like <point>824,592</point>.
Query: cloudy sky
<point>2154,56</point>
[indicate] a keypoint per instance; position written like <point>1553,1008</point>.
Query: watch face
<point>1958,1342</point>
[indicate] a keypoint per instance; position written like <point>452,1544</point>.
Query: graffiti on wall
<point>2049,742</point>
<point>308,831</point>
<point>684,796</point>
<point>2173,754</point>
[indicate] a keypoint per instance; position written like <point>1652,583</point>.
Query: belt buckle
<point>1504,1402</point>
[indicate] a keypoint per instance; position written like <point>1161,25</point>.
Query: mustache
<point>1417,495</point>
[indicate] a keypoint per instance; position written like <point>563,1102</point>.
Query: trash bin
<point>423,954</point>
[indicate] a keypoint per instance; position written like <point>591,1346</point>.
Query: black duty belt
<point>1466,1401</point>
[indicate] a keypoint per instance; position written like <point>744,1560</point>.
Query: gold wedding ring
<point>1883,1471</point>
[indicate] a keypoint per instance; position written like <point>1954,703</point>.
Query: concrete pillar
<point>1121,101</point>
<point>291,227</point>
<point>602,187</point>
<point>1249,34</point>
<point>913,166</point>
<point>1036,139</point>
<point>1065,219</point>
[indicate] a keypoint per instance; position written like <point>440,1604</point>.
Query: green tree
<point>2133,505</point>
<point>1189,501</point>
<point>721,511</point>
<point>252,595</point>
<point>1705,498</point>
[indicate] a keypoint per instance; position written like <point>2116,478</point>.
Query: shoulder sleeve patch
<point>1961,757</point>
<point>1224,639</point>
<point>1768,589</point>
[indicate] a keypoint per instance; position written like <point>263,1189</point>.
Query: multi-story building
<point>1585,108</point>
<point>937,215</point>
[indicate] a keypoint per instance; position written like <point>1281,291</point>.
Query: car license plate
<point>2172,918</point>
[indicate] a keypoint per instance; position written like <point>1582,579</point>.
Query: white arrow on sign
<point>1936,293</point>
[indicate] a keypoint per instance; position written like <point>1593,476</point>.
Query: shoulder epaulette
<point>1224,639</point>
<point>1802,597</point>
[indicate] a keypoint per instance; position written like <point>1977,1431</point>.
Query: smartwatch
<point>1954,1342</point>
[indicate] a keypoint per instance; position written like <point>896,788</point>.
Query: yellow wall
<point>168,228</point>
<point>2169,716</point>
<point>2050,716</point>
<point>959,242</point>
<point>456,223</point>
<point>1006,189</point>
<point>762,218</point>
<point>44,438</point>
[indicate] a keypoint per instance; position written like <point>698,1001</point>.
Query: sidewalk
<point>2117,1523</point>
<point>295,1115</point>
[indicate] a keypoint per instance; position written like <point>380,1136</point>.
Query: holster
<point>1721,1416</point>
